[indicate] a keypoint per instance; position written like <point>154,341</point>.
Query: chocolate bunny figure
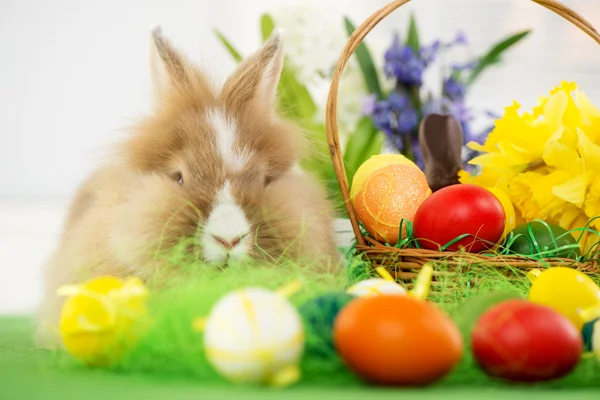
<point>441,139</point>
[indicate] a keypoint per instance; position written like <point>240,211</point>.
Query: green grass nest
<point>172,349</point>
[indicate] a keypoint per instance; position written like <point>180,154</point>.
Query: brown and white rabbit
<point>219,166</point>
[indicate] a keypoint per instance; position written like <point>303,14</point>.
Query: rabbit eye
<point>268,180</point>
<point>178,177</point>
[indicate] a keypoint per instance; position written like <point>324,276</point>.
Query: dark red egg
<point>521,341</point>
<point>457,210</point>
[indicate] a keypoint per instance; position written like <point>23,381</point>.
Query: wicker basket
<point>404,264</point>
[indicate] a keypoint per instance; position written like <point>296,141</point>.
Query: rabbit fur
<point>218,166</point>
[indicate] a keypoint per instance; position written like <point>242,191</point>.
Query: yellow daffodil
<point>547,161</point>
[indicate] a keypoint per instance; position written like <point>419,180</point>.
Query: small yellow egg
<point>376,287</point>
<point>103,318</point>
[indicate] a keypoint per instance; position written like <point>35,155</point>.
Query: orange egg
<point>397,340</point>
<point>385,189</point>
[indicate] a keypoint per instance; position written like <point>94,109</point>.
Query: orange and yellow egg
<point>386,189</point>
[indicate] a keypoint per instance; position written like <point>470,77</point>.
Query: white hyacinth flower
<point>315,39</point>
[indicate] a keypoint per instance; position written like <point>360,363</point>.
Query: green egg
<point>468,313</point>
<point>587,332</point>
<point>550,238</point>
<point>318,315</point>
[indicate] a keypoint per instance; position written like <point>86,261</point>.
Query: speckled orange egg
<point>386,189</point>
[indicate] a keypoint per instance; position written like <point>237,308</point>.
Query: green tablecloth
<point>29,373</point>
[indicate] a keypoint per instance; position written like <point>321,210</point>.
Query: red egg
<point>521,341</point>
<point>458,210</point>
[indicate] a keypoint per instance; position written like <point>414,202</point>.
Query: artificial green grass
<point>29,373</point>
<point>169,361</point>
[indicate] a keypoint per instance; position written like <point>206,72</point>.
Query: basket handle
<point>353,42</point>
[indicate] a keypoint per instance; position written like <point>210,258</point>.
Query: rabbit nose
<point>228,244</point>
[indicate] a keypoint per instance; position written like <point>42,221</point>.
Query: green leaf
<point>493,56</point>
<point>267,25</point>
<point>234,53</point>
<point>412,40</point>
<point>296,97</point>
<point>365,61</point>
<point>363,143</point>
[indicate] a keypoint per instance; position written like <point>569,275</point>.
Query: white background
<point>74,74</point>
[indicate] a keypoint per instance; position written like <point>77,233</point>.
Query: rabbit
<point>218,166</point>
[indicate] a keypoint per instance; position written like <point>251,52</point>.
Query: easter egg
<point>566,290</point>
<point>595,341</point>
<point>521,341</point>
<point>318,315</point>
<point>397,340</point>
<point>457,210</point>
<point>590,333</point>
<point>467,314</point>
<point>385,189</point>
<point>509,209</point>
<point>536,237</point>
<point>376,287</point>
<point>253,336</point>
<point>103,318</point>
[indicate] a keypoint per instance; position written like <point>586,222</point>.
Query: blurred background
<point>74,75</point>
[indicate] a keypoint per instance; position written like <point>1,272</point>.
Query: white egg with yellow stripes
<point>376,287</point>
<point>254,335</point>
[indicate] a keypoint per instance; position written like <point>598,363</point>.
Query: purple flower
<point>417,153</point>
<point>433,106</point>
<point>402,63</point>
<point>454,90</point>
<point>464,67</point>
<point>407,119</point>
<point>398,102</point>
<point>461,38</point>
<point>460,110</point>
<point>397,141</point>
<point>382,117</point>
<point>427,54</point>
<point>396,117</point>
<point>368,104</point>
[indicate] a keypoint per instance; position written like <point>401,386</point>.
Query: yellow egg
<point>103,318</point>
<point>254,336</point>
<point>509,209</point>
<point>566,290</point>
<point>376,287</point>
<point>385,189</point>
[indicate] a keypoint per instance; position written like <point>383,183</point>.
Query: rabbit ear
<point>256,78</point>
<point>168,67</point>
